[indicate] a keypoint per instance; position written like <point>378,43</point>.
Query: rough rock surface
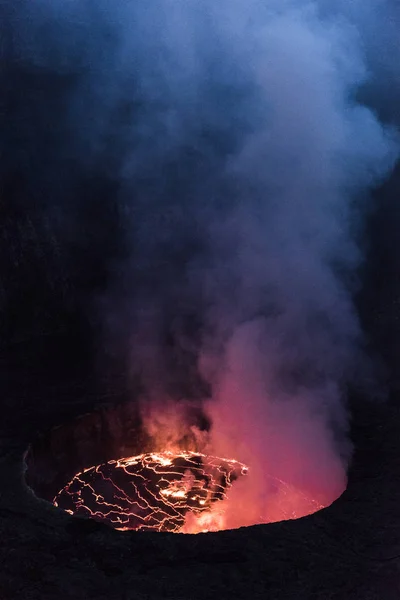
<point>350,550</point>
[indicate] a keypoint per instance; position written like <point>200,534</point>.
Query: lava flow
<point>154,491</point>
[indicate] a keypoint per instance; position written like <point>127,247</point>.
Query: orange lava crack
<point>153,491</point>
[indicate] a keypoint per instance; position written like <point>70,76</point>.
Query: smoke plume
<point>243,158</point>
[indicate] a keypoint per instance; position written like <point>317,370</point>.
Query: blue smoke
<point>241,161</point>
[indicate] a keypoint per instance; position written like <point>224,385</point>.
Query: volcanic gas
<point>180,487</point>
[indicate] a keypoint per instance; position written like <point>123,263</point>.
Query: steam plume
<point>243,162</point>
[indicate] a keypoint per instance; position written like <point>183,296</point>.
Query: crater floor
<point>350,550</point>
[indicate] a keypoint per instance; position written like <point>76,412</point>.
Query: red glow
<point>293,466</point>
<point>181,492</point>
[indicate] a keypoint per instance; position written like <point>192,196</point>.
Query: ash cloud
<point>242,159</point>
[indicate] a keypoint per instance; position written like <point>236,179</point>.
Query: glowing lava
<point>165,491</point>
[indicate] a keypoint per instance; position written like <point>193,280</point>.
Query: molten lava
<point>165,491</point>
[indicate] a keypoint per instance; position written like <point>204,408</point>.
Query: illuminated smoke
<point>243,160</point>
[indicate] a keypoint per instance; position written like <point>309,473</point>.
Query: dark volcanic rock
<point>349,550</point>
